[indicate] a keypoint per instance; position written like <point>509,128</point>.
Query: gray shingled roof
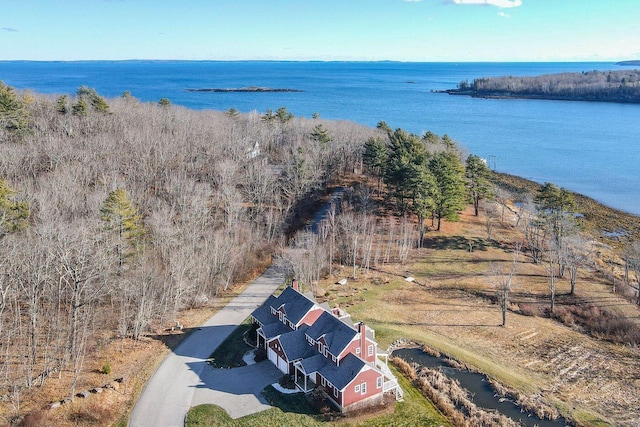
<point>340,376</point>
<point>295,304</point>
<point>295,345</point>
<point>314,363</point>
<point>274,329</point>
<point>337,334</point>
<point>263,313</point>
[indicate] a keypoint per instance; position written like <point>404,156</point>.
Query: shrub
<point>106,369</point>
<point>33,419</point>
<point>527,309</point>
<point>600,323</point>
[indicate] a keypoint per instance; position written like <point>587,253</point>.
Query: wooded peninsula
<point>597,86</point>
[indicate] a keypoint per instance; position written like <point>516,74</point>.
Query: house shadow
<point>178,340</point>
<point>239,391</point>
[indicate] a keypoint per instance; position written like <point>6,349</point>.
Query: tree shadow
<point>455,243</point>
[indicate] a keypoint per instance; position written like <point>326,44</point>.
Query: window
<point>363,388</point>
<point>324,382</point>
<point>335,392</point>
<point>358,350</point>
<point>379,382</point>
<point>273,311</point>
<point>357,389</point>
<point>370,351</point>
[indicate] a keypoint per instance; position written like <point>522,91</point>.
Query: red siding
<point>353,345</point>
<point>368,376</point>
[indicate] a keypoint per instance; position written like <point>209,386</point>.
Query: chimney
<point>295,286</point>
<point>362,329</point>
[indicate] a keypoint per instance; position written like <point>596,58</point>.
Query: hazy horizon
<point>328,30</point>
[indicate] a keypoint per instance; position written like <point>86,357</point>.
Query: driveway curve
<point>184,379</point>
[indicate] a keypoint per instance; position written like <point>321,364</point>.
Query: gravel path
<point>184,379</point>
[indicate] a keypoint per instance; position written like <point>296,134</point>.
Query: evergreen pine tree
<point>450,198</point>
<point>123,218</point>
<point>478,183</point>
<point>15,117</point>
<point>14,214</point>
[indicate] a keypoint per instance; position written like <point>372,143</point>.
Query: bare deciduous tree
<point>503,280</point>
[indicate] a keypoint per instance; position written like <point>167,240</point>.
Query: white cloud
<point>499,3</point>
<point>503,14</point>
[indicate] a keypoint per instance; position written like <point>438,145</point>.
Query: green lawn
<point>292,411</point>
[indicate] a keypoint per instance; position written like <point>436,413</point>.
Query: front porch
<point>301,379</point>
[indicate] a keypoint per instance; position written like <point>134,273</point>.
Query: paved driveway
<point>184,379</point>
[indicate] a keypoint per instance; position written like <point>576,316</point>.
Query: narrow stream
<point>480,391</point>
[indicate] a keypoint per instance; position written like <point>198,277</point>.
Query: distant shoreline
<point>506,95</point>
<point>620,86</point>
<point>244,89</point>
<point>631,63</point>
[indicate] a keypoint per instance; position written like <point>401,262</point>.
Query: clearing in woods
<point>451,307</point>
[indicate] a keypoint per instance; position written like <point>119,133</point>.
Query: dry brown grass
<point>452,309</point>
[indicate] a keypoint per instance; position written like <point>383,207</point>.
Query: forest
<point>601,86</point>
<point>117,215</point>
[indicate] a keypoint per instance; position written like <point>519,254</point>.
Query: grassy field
<point>451,308</point>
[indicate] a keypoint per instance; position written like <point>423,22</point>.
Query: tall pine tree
<point>450,197</point>
<point>478,184</point>
<point>14,214</point>
<point>123,219</point>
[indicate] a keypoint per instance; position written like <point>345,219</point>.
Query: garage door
<point>278,361</point>
<point>283,366</point>
<point>273,357</point>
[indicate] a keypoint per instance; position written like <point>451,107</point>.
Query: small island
<point>600,86</point>
<point>244,89</point>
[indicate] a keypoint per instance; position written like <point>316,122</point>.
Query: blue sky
<point>404,30</point>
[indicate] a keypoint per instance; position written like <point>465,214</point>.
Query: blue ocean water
<point>591,148</point>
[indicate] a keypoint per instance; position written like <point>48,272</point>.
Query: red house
<point>322,348</point>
